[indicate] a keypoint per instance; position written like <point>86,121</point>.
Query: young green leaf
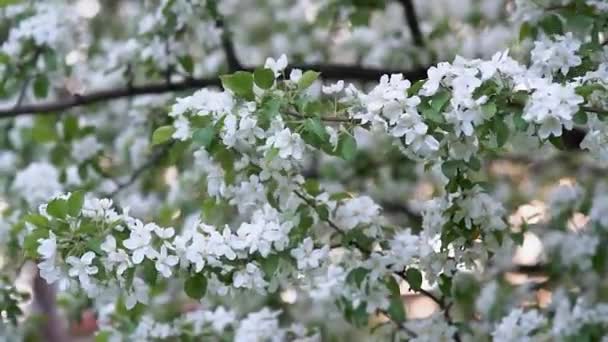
<point>204,136</point>
<point>75,203</point>
<point>347,146</point>
<point>414,278</point>
<point>308,78</point>
<point>41,86</point>
<point>58,208</point>
<point>240,83</point>
<point>162,134</point>
<point>196,286</point>
<point>264,78</point>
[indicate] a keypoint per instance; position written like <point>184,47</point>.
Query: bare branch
<point>328,71</point>
<point>412,21</point>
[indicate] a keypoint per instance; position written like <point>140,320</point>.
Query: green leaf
<point>30,243</point>
<point>465,289</point>
<point>527,31</point>
<point>489,109</point>
<point>57,208</point>
<point>270,264</point>
<point>196,286</point>
<point>41,86</point>
<point>264,78</point>
<point>431,114</point>
<point>315,126</point>
<point>502,131</point>
<point>360,17</point>
<point>347,146</point>
<point>357,276</point>
<point>187,63</point>
<point>445,284</point>
<point>552,24</point>
<point>240,83</point>
<point>75,203</point>
<point>475,164</point>
<point>414,278</point>
<point>162,134</point>
<point>44,130</point>
<point>450,168</point>
<point>70,128</point>
<point>102,336</point>
<point>440,100</point>
<point>308,78</point>
<point>580,118</point>
<point>204,136</point>
<point>557,142</point>
<point>37,220</point>
<point>149,273</point>
<point>396,309</point>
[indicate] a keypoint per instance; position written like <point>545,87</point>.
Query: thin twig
<point>156,156</point>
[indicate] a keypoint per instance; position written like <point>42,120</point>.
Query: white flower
<point>432,329</point>
<point>202,103</point>
<point>264,232</point>
<point>403,248</point>
<point>518,326</point>
<point>164,233</point>
<point>85,148</point>
<point>552,106</point>
<point>329,284</point>
<point>333,88</point>
<point>182,128</point>
<point>288,144</point>
<point>99,210</point>
<point>295,75</point>
<point>8,161</point>
<point>37,183</point>
<point>164,261</point>
<point>250,278</point>
<point>220,318</point>
<point>260,326</point>
<point>435,76</point>
<point>82,268</point>
<point>356,211</point>
<point>549,56</point>
<point>478,208</point>
<point>139,240</point>
<point>47,248</point>
<point>116,257</point>
<point>138,294</point>
<point>277,66</point>
<point>307,256</point>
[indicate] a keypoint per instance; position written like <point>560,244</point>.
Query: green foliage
<point>308,78</point>
<point>162,134</point>
<point>264,78</point>
<point>240,83</point>
<point>347,146</point>
<point>196,286</point>
<point>414,278</point>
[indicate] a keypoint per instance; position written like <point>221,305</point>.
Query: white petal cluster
<point>357,211</point>
<point>519,325</point>
<point>309,257</point>
<point>48,26</point>
<point>556,54</point>
<point>388,107</point>
<point>480,209</point>
<point>37,183</point>
<point>552,106</point>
